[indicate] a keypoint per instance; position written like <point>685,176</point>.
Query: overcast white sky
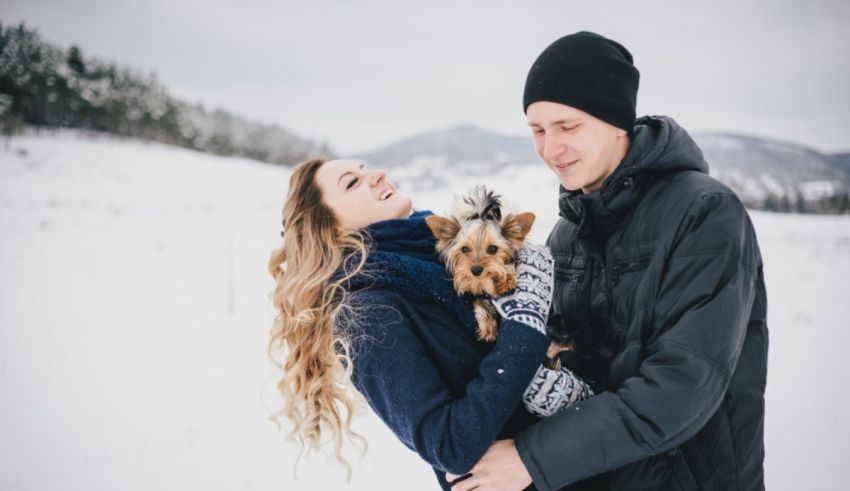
<point>359,74</point>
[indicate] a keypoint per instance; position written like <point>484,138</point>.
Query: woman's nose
<point>377,177</point>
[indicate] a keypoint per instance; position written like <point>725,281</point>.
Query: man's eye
<point>351,183</point>
<point>569,128</point>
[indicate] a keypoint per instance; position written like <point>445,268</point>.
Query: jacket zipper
<point>628,266</point>
<point>570,274</point>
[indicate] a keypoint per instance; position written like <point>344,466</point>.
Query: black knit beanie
<point>588,72</point>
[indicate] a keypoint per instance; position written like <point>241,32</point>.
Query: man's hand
<point>556,348</point>
<point>500,469</point>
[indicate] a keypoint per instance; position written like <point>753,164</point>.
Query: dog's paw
<point>508,284</point>
<point>485,315</point>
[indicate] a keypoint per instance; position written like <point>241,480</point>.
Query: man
<point>659,286</point>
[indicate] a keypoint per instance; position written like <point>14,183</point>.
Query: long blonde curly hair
<point>314,359</point>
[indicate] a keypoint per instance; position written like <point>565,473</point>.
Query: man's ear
<point>443,228</point>
<point>516,227</point>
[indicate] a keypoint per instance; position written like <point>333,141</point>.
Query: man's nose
<point>552,147</point>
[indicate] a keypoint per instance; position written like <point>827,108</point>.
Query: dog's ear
<point>515,227</point>
<point>442,228</point>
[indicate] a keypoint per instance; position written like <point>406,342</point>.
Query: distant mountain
<point>771,173</point>
<point>427,160</point>
<point>843,161</point>
<point>462,144</point>
<point>766,174</point>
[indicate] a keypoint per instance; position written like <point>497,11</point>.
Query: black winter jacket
<point>659,282</point>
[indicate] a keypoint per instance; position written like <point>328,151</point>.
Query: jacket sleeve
<point>701,314</point>
<point>396,375</point>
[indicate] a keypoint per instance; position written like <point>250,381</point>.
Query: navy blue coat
<point>417,360</point>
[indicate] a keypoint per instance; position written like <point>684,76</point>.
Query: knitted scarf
<point>402,257</point>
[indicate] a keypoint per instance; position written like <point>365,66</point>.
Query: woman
<point>362,296</point>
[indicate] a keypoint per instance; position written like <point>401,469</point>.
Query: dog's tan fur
<point>485,245</point>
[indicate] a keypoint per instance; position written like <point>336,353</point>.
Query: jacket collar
<point>659,146</point>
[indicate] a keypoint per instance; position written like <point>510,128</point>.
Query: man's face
<point>579,148</point>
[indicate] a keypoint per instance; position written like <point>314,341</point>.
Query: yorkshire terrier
<point>477,245</point>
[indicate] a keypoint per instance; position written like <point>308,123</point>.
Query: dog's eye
<point>492,249</point>
<point>465,250</point>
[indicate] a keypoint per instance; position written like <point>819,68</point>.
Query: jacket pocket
<point>632,279</point>
<point>630,265</point>
<point>570,277</point>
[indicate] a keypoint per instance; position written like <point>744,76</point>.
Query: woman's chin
<point>404,206</point>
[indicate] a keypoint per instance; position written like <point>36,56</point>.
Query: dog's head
<point>477,243</point>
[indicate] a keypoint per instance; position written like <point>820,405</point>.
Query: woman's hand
<point>529,302</point>
<point>500,469</point>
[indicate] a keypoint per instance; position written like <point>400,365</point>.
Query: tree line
<point>834,198</point>
<point>45,86</point>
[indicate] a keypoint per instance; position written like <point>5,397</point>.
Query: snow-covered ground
<point>134,318</point>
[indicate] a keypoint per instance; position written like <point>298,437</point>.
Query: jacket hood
<point>659,147</point>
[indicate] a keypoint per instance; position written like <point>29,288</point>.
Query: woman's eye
<point>465,250</point>
<point>351,183</point>
<point>491,249</point>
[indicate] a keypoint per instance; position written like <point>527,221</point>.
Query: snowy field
<point>134,319</point>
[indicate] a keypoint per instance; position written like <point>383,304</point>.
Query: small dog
<point>477,244</point>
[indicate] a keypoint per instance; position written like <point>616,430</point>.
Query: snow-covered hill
<point>760,169</point>
<point>766,174</point>
<point>134,316</point>
<point>459,144</point>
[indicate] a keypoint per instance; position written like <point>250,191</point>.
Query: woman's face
<point>358,196</point>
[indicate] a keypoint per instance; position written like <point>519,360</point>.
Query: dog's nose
<point>476,270</point>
